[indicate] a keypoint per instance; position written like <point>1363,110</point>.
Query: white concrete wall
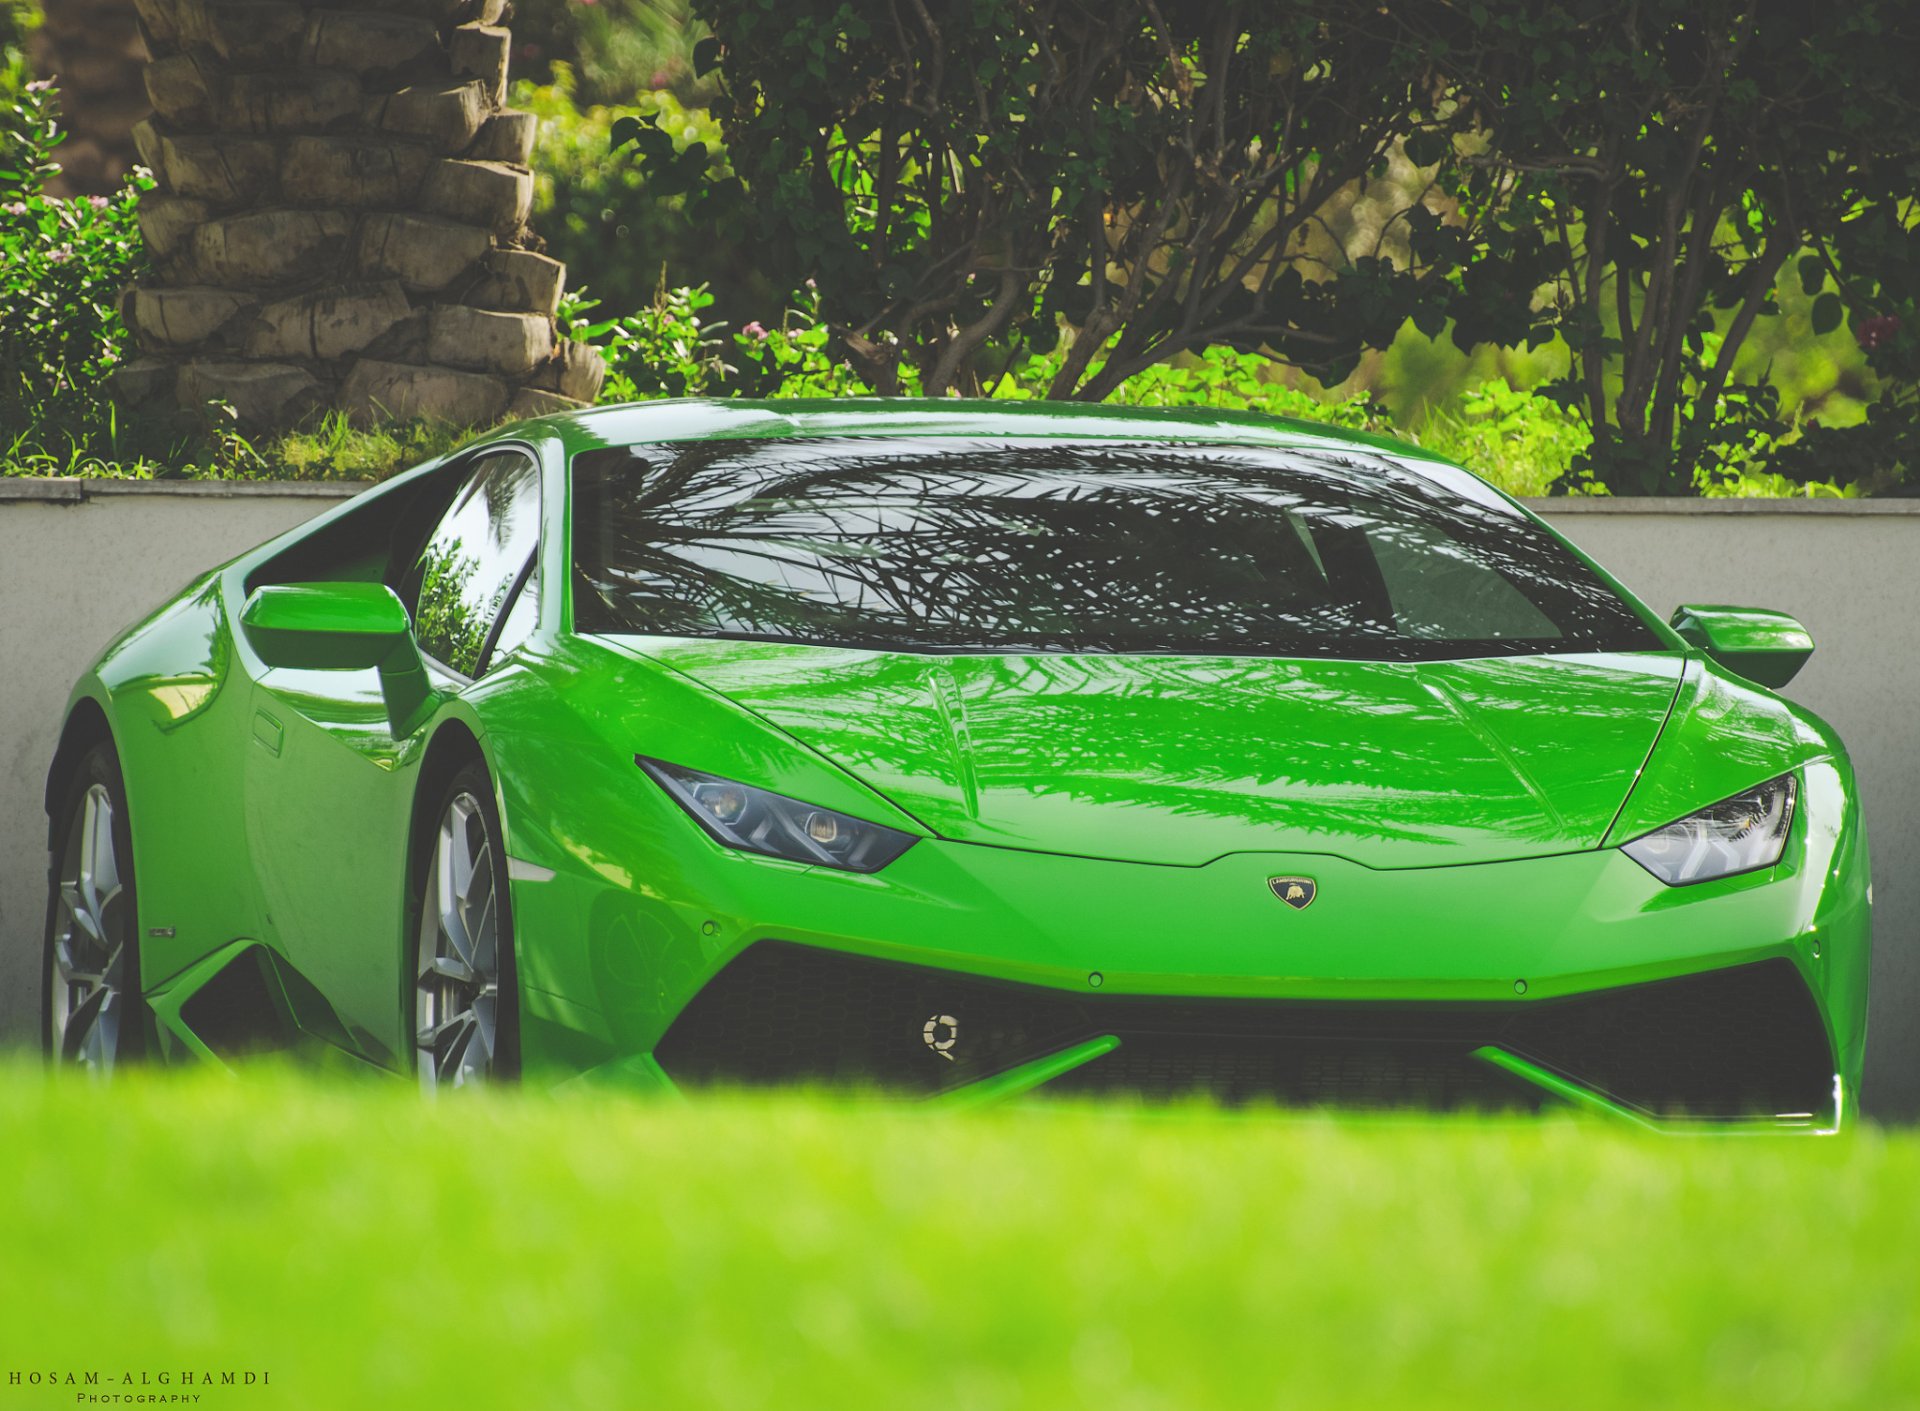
<point>81,560</point>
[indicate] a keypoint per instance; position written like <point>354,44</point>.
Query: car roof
<point>693,419</point>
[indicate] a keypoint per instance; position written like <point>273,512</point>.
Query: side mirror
<point>342,627</point>
<point>1763,646</point>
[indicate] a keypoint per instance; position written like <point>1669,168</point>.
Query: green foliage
<point>335,449</point>
<point>796,1253</point>
<point>614,226</point>
<point>1627,184</point>
<point>63,264</point>
<point>1522,442</point>
<point>610,49</point>
<point>443,620</point>
<point>1641,178</point>
<point>18,19</point>
<point>1870,270</point>
<point>665,350</point>
<point>1150,176</point>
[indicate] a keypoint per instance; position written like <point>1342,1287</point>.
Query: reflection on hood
<point>1185,759</point>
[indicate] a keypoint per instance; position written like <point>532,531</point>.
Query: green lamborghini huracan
<point>963,750</point>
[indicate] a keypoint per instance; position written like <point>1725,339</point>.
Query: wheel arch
<point>454,746</point>
<point>86,725</point>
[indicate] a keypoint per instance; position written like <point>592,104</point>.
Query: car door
<point>330,787</point>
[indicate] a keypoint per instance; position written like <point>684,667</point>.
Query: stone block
<point>490,194</point>
<point>261,394</point>
<point>254,33</point>
<point>576,371</point>
<point>519,281</point>
<point>228,171</point>
<point>143,380</point>
<point>367,41</point>
<point>480,51</point>
<point>332,323</point>
<point>405,342</point>
<point>269,247</point>
<point>157,17</point>
<point>167,223</point>
<point>422,253</point>
<point>280,102</point>
<point>448,116</point>
<point>353,171</point>
<point>506,137</point>
<point>178,90</point>
<point>180,318</point>
<point>377,391</point>
<point>532,402</point>
<point>147,142</point>
<point>511,344</point>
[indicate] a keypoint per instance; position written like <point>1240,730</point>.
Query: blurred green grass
<point>530,1250</point>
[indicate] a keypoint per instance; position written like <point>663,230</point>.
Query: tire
<point>464,987</point>
<point>92,1015</point>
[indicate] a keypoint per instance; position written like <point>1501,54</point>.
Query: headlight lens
<point>754,820</point>
<point>1740,834</point>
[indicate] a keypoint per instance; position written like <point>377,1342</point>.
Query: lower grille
<point>1300,1073</point>
<point>1728,1043</point>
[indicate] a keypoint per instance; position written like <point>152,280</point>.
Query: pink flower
<point>99,203</point>
<point>62,255</point>
<point>1876,331</point>
<point>40,85</point>
<point>15,208</point>
<point>756,329</point>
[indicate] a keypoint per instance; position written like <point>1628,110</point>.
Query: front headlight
<point>1740,834</point>
<point>754,820</point>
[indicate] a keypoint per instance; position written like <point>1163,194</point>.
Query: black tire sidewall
<point>99,765</point>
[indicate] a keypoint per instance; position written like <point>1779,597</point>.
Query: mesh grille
<point>1723,1043</point>
<point>1296,1073</point>
<point>1735,1042</point>
<point>783,1013</point>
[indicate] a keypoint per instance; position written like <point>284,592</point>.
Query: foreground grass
<point>370,1250</point>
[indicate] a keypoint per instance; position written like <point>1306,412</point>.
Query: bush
<point>63,264</point>
<point>613,49</point>
<point>618,232</point>
<point>1155,179</point>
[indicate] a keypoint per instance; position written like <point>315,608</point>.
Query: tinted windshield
<point>961,545</point>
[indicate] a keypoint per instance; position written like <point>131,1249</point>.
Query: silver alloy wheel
<point>457,956</point>
<point>87,994</point>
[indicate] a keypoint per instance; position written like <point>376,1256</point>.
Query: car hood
<point>1181,760</point>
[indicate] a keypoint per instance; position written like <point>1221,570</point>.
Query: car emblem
<point>1296,892</point>
<point>942,1032</point>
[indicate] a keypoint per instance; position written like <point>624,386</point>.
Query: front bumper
<point>1483,953</point>
<point>1740,1043</point>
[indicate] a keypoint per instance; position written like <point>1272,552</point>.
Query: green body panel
<point>1075,816</point>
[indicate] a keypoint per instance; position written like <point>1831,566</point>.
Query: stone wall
<point>341,220</point>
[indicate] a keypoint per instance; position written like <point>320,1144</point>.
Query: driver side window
<point>473,561</point>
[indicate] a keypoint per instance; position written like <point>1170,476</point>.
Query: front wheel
<point>465,997</point>
<point>92,1014</point>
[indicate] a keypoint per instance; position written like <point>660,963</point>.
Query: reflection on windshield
<point>965,545</point>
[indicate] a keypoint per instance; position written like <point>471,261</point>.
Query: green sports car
<point>963,750</point>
